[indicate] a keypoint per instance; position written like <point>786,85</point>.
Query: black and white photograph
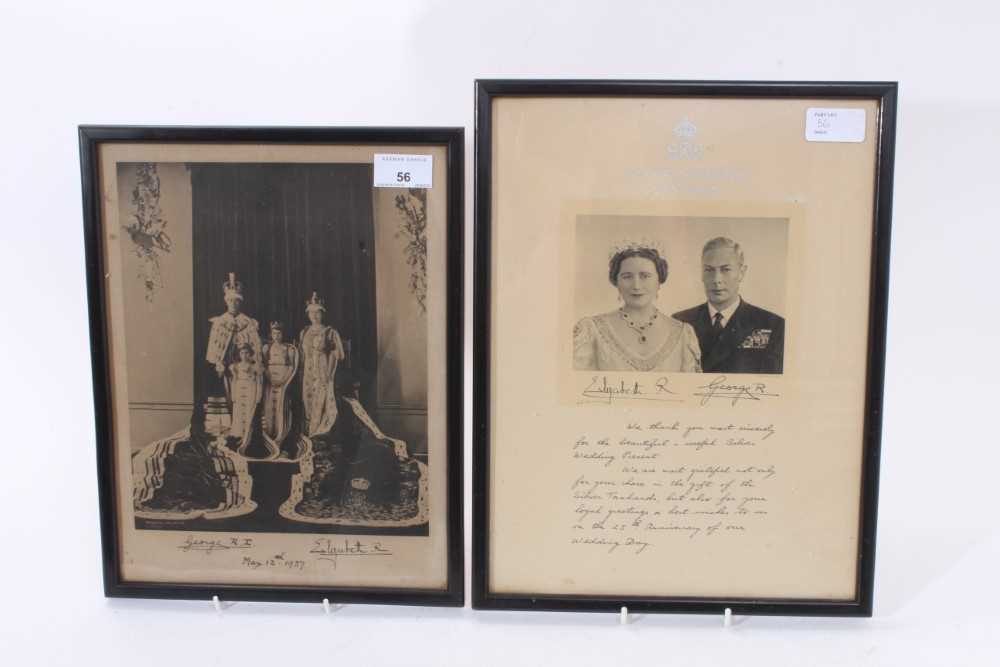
<point>265,391</point>
<point>680,294</point>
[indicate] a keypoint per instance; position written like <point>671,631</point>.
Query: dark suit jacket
<point>753,340</point>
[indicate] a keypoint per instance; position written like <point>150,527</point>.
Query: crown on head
<point>277,325</point>
<point>636,244</point>
<point>314,303</point>
<point>232,289</point>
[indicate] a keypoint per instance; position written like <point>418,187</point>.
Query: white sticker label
<point>842,125</point>
<point>394,170</point>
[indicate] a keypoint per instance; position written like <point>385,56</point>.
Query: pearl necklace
<point>639,328</point>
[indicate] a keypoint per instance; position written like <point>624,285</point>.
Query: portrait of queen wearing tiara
<point>636,336</point>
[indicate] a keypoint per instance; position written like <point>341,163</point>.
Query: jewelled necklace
<point>639,328</point>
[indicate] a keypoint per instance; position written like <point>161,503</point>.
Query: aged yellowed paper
<point>637,457</point>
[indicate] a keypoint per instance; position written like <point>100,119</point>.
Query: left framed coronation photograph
<point>276,338</point>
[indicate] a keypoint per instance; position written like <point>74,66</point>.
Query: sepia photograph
<point>251,316</point>
<point>282,381</point>
<point>681,294</point>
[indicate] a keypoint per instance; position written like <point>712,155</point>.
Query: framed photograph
<point>680,301</point>
<point>276,331</point>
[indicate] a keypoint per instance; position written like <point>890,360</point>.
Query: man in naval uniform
<point>735,337</point>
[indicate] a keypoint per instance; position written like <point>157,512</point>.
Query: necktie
<point>717,323</point>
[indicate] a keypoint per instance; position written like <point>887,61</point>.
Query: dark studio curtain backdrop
<point>286,231</point>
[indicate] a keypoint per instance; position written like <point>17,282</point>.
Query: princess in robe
<point>321,350</point>
<point>244,388</point>
<point>281,364</point>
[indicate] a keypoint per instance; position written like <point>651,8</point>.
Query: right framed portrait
<point>680,295</point>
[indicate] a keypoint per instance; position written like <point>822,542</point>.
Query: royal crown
<point>231,288</point>
<point>276,325</point>
<point>314,303</point>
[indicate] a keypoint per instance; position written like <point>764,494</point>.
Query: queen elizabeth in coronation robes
<point>321,351</point>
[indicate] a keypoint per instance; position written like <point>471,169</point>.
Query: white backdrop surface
<point>413,63</point>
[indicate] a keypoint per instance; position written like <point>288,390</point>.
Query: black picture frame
<point>487,91</point>
<point>91,138</point>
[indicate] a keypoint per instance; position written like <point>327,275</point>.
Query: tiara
<point>276,325</point>
<point>636,244</point>
<point>231,288</point>
<point>314,303</point>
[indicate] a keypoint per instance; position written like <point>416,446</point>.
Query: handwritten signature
<point>211,545</point>
<point>330,551</point>
<point>734,393</point>
<point>599,387</point>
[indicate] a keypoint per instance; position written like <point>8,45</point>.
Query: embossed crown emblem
<point>685,129</point>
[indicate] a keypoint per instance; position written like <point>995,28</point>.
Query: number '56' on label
<point>395,170</point>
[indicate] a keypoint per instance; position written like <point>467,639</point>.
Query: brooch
<point>757,340</point>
